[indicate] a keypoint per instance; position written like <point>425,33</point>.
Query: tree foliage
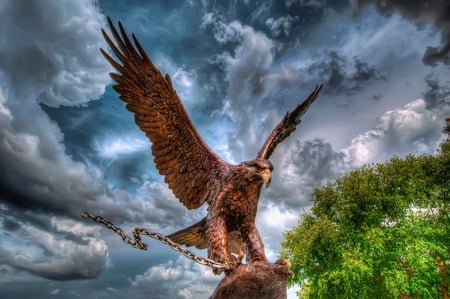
<point>381,231</point>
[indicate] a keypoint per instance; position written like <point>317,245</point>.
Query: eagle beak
<point>266,176</point>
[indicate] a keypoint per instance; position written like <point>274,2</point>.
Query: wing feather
<point>195,235</point>
<point>190,167</point>
<point>287,125</point>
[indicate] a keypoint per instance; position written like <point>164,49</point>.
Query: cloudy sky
<point>67,144</point>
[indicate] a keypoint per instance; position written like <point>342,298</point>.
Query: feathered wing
<point>287,125</point>
<point>195,235</point>
<point>190,167</point>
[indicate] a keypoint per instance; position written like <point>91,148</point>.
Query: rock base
<point>255,279</point>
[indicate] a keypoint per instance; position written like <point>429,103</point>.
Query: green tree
<point>381,231</point>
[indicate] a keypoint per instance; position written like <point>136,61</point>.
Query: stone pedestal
<point>254,280</point>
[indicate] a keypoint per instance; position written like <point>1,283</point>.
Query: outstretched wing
<point>190,167</point>
<point>287,125</point>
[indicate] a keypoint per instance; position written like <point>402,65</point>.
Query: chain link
<point>137,242</point>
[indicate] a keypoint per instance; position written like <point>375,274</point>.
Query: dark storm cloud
<point>247,74</point>
<point>259,90</point>
<point>298,13</point>
<point>438,94</point>
<point>70,250</point>
<point>289,23</point>
<point>300,167</point>
<point>49,56</point>
<point>55,61</point>
<point>246,71</point>
<point>37,173</point>
<point>340,74</point>
<point>282,25</point>
<point>304,167</point>
<point>156,204</point>
<point>421,13</point>
<point>82,265</point>
<point>10,225</point>
<point>364,72</point>
<point>318,161</point>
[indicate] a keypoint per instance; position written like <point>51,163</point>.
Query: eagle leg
<point>255,245</point>
<point>217,236</point>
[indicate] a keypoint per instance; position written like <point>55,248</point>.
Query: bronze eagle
<point>193,172</point>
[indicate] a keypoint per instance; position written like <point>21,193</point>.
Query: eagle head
<point>262,168</point>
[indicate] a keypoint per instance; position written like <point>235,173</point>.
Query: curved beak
<point>266,176</point>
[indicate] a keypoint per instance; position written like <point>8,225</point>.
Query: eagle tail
<point>194,235</point>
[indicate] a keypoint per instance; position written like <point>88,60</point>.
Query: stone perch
<point>255,279</point>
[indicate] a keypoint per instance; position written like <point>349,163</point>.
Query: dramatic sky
<point>67,143</point>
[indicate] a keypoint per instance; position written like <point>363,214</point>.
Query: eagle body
<point>195,174</point>
<point>229,226</point>
<point>234,211</point>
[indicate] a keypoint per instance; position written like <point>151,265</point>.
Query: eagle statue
<point>195,174</point>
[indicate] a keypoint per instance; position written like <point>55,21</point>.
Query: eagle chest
<point>240,203</point>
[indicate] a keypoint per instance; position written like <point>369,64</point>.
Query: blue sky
<point>68,144</point>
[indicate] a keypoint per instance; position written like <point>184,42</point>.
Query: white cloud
<point>249,77</point>
<point>281,25</point>
<point>183,78</point>
<point>155,203</point>
<point>246,68</point>
<point>113,147</point>
<point>55,58</point>
<point>223,33</point>
<point>273,217</point>
<point>5,113</point>
<point>410,129</point>
<point>272,220</point>
<point>183,81</point>
<point>181,279</point>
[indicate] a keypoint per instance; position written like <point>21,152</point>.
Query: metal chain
<point>137,242</point>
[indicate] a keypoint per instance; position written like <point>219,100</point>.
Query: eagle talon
<point>287,264</point>
<point>235,261</point>
<point>291,274</point>
<point>284,262</point>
